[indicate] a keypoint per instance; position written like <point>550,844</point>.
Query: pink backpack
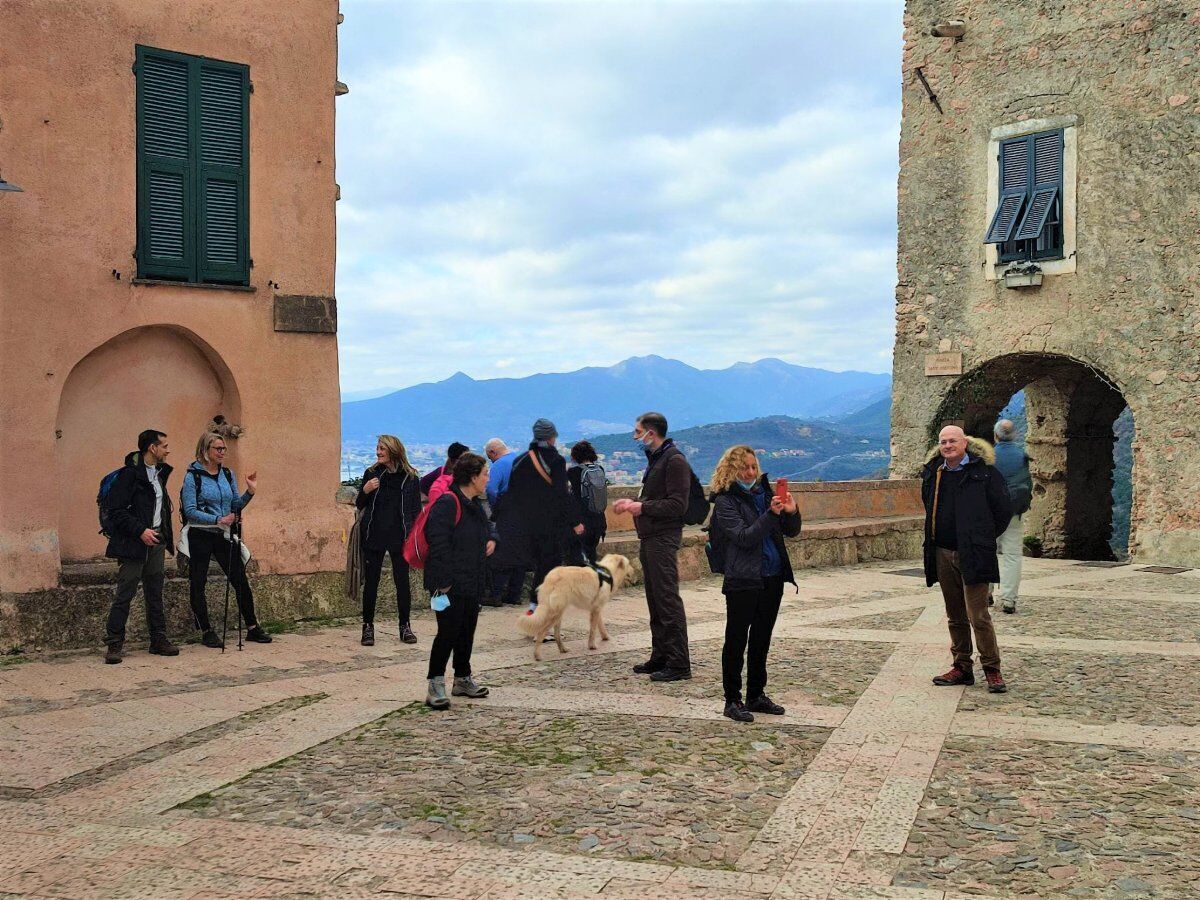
<point>416,547</point>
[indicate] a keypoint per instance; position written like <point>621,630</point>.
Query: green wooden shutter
<point>165,188</point>
<point>1047,182</point>
<point>1014,189</point>
<point>224,155</point>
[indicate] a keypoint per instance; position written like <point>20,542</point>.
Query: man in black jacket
<point>966,508</point>
<point>137,511</point>
<point>658,517</point>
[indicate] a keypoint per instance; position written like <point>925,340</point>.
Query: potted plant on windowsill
<point>1023,276</point>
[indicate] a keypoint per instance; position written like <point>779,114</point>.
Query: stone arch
<point>1071,407</point>
<point>160,376</point>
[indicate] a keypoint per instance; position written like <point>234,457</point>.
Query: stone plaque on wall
<point>307,313</point>
<point>943,363</point>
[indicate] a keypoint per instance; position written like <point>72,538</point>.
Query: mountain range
<point>598,400</point>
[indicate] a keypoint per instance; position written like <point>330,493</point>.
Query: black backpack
<point>698,503</point>
<point>593,488</point>
<point>106,484</point>
<point>715,548</point>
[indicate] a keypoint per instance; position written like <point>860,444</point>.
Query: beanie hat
<point>543,430</point>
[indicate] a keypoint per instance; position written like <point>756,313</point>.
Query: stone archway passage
<point>157,377</point>
<point>1071,408</point>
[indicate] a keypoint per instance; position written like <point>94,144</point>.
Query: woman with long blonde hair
<point>390,499</point>
<point>749,524</point>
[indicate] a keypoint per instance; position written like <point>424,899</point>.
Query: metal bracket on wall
<point>928,90</point>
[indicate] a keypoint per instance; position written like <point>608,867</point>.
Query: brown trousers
<point>966,610</point>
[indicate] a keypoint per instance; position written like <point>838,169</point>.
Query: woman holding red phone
<point>749,523</point>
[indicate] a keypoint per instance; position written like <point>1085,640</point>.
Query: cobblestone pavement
<point>310,768</point>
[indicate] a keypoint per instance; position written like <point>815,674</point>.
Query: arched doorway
<point>1071,409</point>
<point>159,377</point>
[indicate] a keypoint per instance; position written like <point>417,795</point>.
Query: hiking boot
<point>669,674</point>
<point>210,639</point>
<point>491,601</point>
<point>955,676</point>
<point>764,704</point>
<point>256,634</point>
<point>1009,606</point>
<point>735,710</point>
<point>368,635</point>
<point>406,634</point>
<point>995,682</point>
<point>649,667</point>
<point>163,647</point>
<point>435,697</point>
<point>991,600</point>
<point>113,654</point>
<point>468,687</point>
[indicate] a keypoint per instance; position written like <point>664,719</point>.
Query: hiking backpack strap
<point>537,464</point>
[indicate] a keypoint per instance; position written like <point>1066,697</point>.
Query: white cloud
<point>538,187</point>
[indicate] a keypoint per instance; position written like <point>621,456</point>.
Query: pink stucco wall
<point>98,358</point>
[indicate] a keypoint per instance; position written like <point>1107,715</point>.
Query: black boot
<point>368,635</point>
<point>257,635</point>
<point>210,639</point>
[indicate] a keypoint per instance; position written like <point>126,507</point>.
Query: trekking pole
<point>235,535</point>
<point>225,614</point>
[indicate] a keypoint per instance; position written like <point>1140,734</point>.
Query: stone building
<point>1049,232</point>
<point>170,259</point>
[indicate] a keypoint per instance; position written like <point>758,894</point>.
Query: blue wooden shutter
<point>224,116</point>
<point>1047,183</point>
<point>165,191</point>
<point>1014,188</point>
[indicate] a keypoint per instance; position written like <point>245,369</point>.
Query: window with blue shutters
<point>1028,220</point>
<point>193,154</point>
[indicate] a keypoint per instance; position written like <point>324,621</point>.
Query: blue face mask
<point>748,485</point>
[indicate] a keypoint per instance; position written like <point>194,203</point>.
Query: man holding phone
<point>137,511</point>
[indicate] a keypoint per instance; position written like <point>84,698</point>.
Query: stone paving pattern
<point>309,768</point>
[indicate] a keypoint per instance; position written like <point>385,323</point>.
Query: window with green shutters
<point>1028,221</point>
<point>193,155</point>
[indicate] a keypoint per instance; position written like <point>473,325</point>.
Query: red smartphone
<point>781,489</point>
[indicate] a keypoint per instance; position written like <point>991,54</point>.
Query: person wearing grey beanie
<point>536,510</point>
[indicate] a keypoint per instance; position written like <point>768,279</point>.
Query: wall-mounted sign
<point>943,364</point>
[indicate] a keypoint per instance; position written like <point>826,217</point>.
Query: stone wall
<point>1124,326</point>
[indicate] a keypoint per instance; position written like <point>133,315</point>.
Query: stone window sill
<point>243,288</point>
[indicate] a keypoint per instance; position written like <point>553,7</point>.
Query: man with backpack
<point>589,485</point>
<point>663,507</point>
<point>1013,464</point>
<point>135,514</point>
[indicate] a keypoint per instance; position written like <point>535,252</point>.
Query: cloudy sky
<point>535,187</point>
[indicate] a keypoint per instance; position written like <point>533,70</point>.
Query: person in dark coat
<point>460,541</point>
<point>749,523</point>
<point>658,517</point>
<point>390,498</point>
<point>137,513</point>
<point>967,508</point>
<point>582,547</point>
<point>537,508</point>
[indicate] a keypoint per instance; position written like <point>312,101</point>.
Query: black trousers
<point>455,635</point>
<point>547,553</point>
<point>373,571</point>
<point>506,583</point>
<point>581,548</point>
<point>149,573</point>
<point>659,555</point>
<point>204,545</point>
<point>750,615</point>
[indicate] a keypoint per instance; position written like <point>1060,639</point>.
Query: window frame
<point>998,257</point>
<point>194,270</point>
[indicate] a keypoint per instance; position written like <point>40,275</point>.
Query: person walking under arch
<point>1013,464</point>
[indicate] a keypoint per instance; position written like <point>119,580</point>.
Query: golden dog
<point>574,586</point>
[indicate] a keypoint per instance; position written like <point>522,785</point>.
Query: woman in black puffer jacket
<point>750,523</point>
<point>461,538</point>
<point>390,498</point>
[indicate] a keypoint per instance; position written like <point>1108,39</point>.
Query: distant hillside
<point>787,448</point>
<point>603,400</point>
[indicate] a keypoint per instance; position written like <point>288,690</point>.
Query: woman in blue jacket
<point>211,506</point>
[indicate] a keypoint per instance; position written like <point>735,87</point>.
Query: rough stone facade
<point>1118,320</point>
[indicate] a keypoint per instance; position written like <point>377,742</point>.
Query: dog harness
<point>603,574</point>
